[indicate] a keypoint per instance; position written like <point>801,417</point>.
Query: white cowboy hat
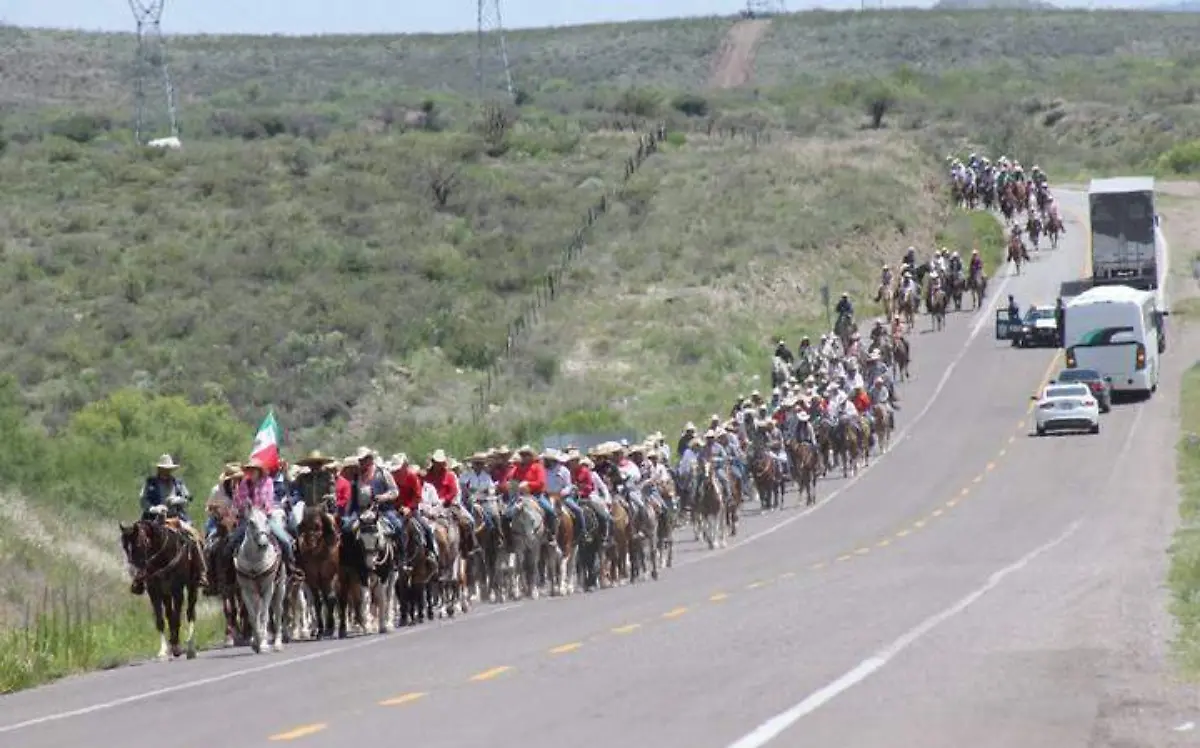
<point>552,454</point>
<point>480,457</point>
<point>438,457</point>
<point>397,461</point>
<point>689,426</point>
<point>364,453</point>
<point>710,434</point>
<point>526,450</point>
<point>166,462</point>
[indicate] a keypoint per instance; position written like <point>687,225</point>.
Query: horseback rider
<point>955,263</point>
<point>165,489</point>
<point>559,481</point>
<point>845,308</point>
<point>477,481</point>
<point>976,266</point>
<point>736,455</point>
<point>590,489</point>
<point>802,430</point>
<point>1038,176</point>
<point>410,489</point>
<point>687,435</point>
<point>885,281</point>
<point>530,477</point>
<point>315,485</point>
<point>714,454</point>
<point>910,257</point>
<point>784,353</point>
<point>880,394</point>
<point>221,495</point>
<point>257,491</point>
<point>442,477</point>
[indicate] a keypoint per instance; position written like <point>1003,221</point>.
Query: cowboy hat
<point>166,462</point>
<point>364,453</point>
<point>802,415</point>
<point>689,426</point>
<point>230,472</point>
<point>573,456</point>
<point>551,454</point>
<point>695,443</point>
<point>254,464</point>
<point>710,434</point>
<point>438,457</point>
<point>350,462</point>
<point>481,456</point>
<point>315,459</point>
<point>502,451</point>
<point>397,461</point>
<point>526,450</point>
<point>637,449</point>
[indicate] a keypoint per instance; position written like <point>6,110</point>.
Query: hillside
<point>347,237</point>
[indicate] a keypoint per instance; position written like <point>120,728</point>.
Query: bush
<point>1181,159</point>
<point>693,105</point>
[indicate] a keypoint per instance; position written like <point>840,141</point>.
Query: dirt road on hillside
<point>734,64</point>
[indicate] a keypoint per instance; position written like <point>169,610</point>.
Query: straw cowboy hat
<point>166,462</point>
<point>365,453</point>
<point>526,450</point>
<point>438,457</point>
<point>315,459</point>
<point>396,461</point>
<point>350,463</point>
<point>231,471</point>
<point>573,456</point>
<point>689,428</point>
<point>254,464</point>
<point>802,415</point>
<point>695,443</point>
<point>502,451</point>
<point>480,457</point>
<point>552,455</point>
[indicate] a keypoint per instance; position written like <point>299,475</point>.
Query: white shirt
<point>430,503</point>
<point>630,472</point>
<point>600,489</point>
<point>473,483</point>
<point>558,480</point>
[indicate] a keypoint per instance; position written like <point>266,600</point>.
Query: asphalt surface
<point>975,586</point>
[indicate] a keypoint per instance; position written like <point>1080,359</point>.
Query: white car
<point>1067,407</point>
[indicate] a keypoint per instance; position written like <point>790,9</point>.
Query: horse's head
<point>370,537</point>
<point>257,529</point>
<point>135,542</point>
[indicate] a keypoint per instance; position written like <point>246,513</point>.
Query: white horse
<point>262,580</point>
<point>527,530</point>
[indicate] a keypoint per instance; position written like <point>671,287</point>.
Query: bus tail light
<point>1140,358</point>
<point>1071,358</point>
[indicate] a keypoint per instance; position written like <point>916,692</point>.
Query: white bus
<point>1118,331</point>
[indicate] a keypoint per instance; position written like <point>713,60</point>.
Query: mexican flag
<point>266,442</point>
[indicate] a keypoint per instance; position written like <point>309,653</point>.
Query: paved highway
<point>976,586</point>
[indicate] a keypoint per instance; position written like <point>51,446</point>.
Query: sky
<point>383,16</point>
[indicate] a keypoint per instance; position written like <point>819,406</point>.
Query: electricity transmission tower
<point>150,64</point>
<point>491,43</point>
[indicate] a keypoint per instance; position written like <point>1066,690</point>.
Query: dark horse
<point>319,557</point>
<point>167,562</point>
<point>415,584</point>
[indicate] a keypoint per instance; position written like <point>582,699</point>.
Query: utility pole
<point>150,64</point>
<point>491,40</point>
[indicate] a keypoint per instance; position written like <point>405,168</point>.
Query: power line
<point>150,63</point>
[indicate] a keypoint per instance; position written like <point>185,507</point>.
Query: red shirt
<point>863,402</point>
<point>341,491</point>
<point>446,483</point>
<point>582,478</point>
<point>534,474</point>
<point>409,485</point>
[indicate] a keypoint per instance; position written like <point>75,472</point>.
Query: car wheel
<point>1095,429</point>
<point>1105,408</point>
<point>1041,431</point>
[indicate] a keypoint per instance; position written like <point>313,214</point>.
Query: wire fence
<point>548,286</point>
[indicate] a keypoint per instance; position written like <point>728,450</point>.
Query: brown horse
<point>768,478</point>
<point>901,357</point>
<point>451,589</point>
<point>559,563</point>
<point>318,554</point>
<point>1017,253</point>
<point>169,564</point>
<point>488,561</point>
<point>616,568</point>
<point>884,425</point>
<point>938,301</point>
<point>977,285</point>
<point>413,585</point>
<point>223,578</point>
<point>805,462</point>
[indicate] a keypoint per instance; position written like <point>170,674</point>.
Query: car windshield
<point>1035,314</point>
<point>1069,390</point>
<point>1078,375</point>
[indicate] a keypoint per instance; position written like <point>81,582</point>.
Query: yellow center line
<point>564,648</point>
<point>1012,438</point>
<point>818,566</point>
<point>489,674</point>
<point>883,543</point>
<point>300,732</point>
<point>902,533</point>
<point>674,612</point>
<point>846,557</point>
<point>952,503</point>
<point>754,585</point>
<point>629,628</point>
<point>919,524</point>
<point>936,513</point>
<point>991,466</point>
<point>718,597</point>
<point>965,491</point>
<point>406,698</point>
<point>862,551</point>
<point>1004,451</point>
<point>1021,423</point>
<point>787,575</point>
<point>978,479</point>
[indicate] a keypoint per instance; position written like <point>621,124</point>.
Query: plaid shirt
<point>260,494</point>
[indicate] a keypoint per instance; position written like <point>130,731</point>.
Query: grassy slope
<point>120,270</point>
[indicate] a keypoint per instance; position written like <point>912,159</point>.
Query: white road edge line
<point>188,685</point>
<point>775,726</point>
<point>985,316</point>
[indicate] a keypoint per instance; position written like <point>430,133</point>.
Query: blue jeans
<point>604,515</point>
<point>210,527</point>
<point>393,519</point>
<point>547,508</point>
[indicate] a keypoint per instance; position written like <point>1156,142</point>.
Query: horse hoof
<point>654,575</point>
<point>162,657</point>
<point>176,652</point>
<point>278,647</point>
<point>229,642</point>
<point>342,634</point>
<point>191,652</point>
<point>256,648</point>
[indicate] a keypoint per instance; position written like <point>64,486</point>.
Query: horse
<point>589,548</point>
<point>378,552</point>
<point>262,579</point>
<point>489,559</point>
<point>886,298</point>
<point>848,443</point>
<point>169,564</point>
<point>844,327</point>
<point>977,285</point>
<point>884,425</point>
<point>1033,227</point>
<point>711,507</point>
<point>643,550</point>
<point>526,531</point>
<point>616,567</point>
<point>1054,229</point>
<point>223,578</point>
<point>937,308</point>
<point>452,572</point>
<point>416,573</point>
<point>901,357</point>
<point>805,462</point>
<point>955,285</point>
<point>560,566</point>
<point>908,305</point>
<point>318,555</point>
<point>1016,251</point>
<point>768,477</point>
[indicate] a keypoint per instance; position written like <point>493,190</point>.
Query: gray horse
<point>262,580</point>
<point>526,526</point>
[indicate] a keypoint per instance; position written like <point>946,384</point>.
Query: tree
<point>879,99</point>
